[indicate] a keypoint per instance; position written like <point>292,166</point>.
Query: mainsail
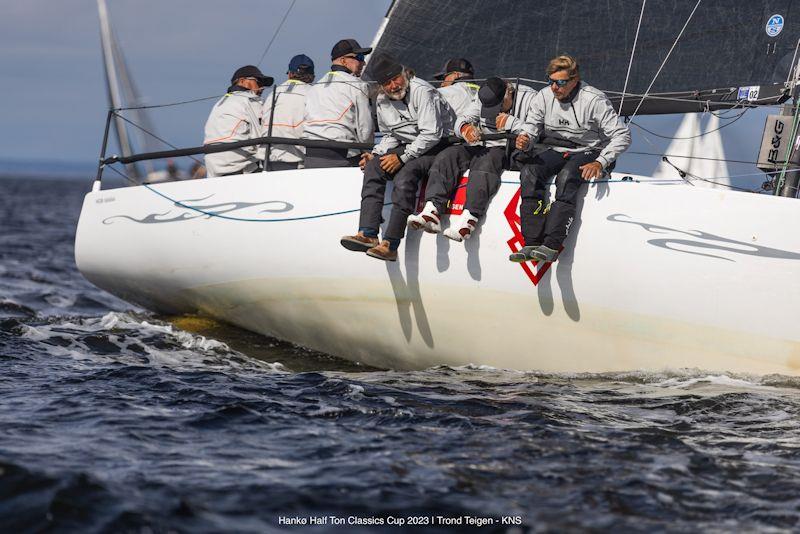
<point>730,51</point>
<point>122,92</point>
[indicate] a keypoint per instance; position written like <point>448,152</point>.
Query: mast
<point>112,82</point>
<point>788,181</point>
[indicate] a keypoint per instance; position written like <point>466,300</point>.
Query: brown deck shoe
<point>359,242</point>
<point>383,252</point>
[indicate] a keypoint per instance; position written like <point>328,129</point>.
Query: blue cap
<point>301,63</point>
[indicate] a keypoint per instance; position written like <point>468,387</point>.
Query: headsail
<point>122,92</point>
<point>729,52</point>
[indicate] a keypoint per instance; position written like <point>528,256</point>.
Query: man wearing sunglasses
<point>237,117</point>
<point>338,108</point>
<point>585,137</point>
<point>415,121</point>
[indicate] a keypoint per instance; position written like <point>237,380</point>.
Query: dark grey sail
<point>728,46</point>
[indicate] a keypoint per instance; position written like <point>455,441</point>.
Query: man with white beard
<point>415,121</point>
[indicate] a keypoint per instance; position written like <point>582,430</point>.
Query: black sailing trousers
<point>404,194</point>
<point>485,166</point>
<point>540,225</point>
<point>318,158</point>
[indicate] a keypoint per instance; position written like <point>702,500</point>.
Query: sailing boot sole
<point>519,257</point>
<point>381,257</point>
<point>356,246</point>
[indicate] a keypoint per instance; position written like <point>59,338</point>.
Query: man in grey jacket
<point>580,124</point>
<point>283,114</point>
<point>415,121</point>
<point>457,87</point>
<point>237,117</point>
<point>338,109</point>
<point>500,103</point>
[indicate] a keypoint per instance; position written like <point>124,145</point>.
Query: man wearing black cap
<point>415,120</point>
<point>456,88</point>
<point>484,159</point>
<point>284,110</point>
<point>237,117</point>
<point>338,109</point>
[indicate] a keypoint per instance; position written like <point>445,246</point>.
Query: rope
<point>662,96</point>
<point>689,157</point>
<point>345,212</point>
<point>633,51</point>
<point>665,60</point>
<point>653,96</point>
<point>692,136</point>
<point>230,218</point>
<point>154,135</point>
<point>171,104</point>
<point>274,35</point>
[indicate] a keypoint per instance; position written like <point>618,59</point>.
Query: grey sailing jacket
<point>518,114</point>
<point>419,121</point>
<point>460,96</point>
<point>287,120</point>
<point>235,117</point>
<point>588,121</point>
<point>337,109</point>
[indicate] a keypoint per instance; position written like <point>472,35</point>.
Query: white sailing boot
<point>464,229</point>
<point>427,219</point>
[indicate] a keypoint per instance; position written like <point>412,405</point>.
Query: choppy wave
<point>115,420</point>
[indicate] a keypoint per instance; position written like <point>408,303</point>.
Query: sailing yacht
<point>659,270</point>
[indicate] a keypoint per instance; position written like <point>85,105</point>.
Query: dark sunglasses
<point>560,83</point>
<point>358,57</point>
<point>259,81</point>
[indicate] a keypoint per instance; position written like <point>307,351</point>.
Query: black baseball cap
<point>458,64</point>
<point>348,46</point>
<point>251,71</point>
<point>384,67</point>
<point>491,96</point>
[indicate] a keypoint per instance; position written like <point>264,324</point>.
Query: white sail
<point>122,92</point>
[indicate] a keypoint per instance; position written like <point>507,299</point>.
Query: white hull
<point>652,276</point>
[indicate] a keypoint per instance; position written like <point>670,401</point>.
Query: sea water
<point>114,419</point>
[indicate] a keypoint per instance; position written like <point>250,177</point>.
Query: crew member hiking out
<point>457,86</point>
<point>585,137</point>
<point>237,117</point>
<point>286,119</point>
<point>492,113</point>
<point>338,109</point>
<point>415,121</point>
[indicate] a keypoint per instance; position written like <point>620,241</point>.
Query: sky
<point>54,104</point>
